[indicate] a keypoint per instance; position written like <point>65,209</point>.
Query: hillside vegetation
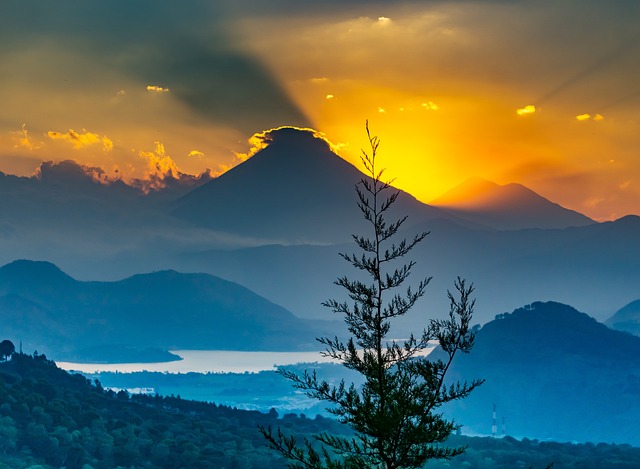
<point>52,419</point>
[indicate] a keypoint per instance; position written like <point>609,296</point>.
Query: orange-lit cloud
<point>528,109</point>
<point>586,117</point>
<point>157,89</point>
<point>195,153</point>
<point>430,106</point>
<point>162,172</point>
<point>261,140</point>
<point>238,72</point>
<point>159,164</point>
<point>22,139</point>
<point>82,140</point>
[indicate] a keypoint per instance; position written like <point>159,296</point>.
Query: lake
<point>204,361</point>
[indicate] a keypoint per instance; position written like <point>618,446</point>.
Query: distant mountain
<point>552,372</point>
<point>626,319</point>
<point>68,195</point>
<point>590,267</point>
<point>293,190</point>
<point>506,207</point>
<point>98,232</point>
<point>43,307</point>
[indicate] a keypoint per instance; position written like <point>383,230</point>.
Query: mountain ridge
<point>164,309</point>
<point>509,206</point>
<point>626,318</point>
<point>552,372</point>
<point>295,189</point>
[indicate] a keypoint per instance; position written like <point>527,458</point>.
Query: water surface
<point>204,361</point>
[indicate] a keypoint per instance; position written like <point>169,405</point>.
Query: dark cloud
<point>171,185</point>
<point>77,177</point>
<point>70,174</point>
<point>220,85</point>
<point>184,47</point>
<point>604,63</point>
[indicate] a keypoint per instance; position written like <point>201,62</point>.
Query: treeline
<point>508,452</point>
<point>54,419</point>
<point>57,419</point>
<point>251,391</point>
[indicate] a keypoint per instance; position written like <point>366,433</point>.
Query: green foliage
<point>394,413</point>
<point>490,453</point>
<point>51,418</point>
<point>249,391</point>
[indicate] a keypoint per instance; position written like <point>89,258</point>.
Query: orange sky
<point>140,88</point>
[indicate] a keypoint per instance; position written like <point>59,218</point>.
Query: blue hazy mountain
<point>552,372</point>
<point>594,267</point>
<point>294,190</point>
<point>626,319</point>
<point>506,207</point>
<point>50,311</point>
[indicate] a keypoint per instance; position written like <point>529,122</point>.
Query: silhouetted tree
<point>6,349</point>
<point>394,413</point>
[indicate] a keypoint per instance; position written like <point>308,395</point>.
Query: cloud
<point>192,56</point>
<point>71,173</point>
<point>217,82</point>
<point>232,68</point>
<point>195,153</point>
<point>262,140</point>
<point>22,139</point>
<point>157,89</point>
<point>82,140</point>
<point>163,172</point>
<point>430,106</point>
<point>528,109</point>
<point>586,117</point>
<point>159,164</point>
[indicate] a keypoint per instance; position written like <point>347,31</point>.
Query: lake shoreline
<point>205,361</point>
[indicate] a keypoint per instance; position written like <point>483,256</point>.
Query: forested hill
<point>553,372</point>
<point>51,419</point>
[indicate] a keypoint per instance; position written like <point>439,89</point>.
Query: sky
<point>545,93</point>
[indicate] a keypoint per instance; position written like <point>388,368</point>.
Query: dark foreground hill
<point>553,372</point>
<point>48,310</point>
<point>51,419</point>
